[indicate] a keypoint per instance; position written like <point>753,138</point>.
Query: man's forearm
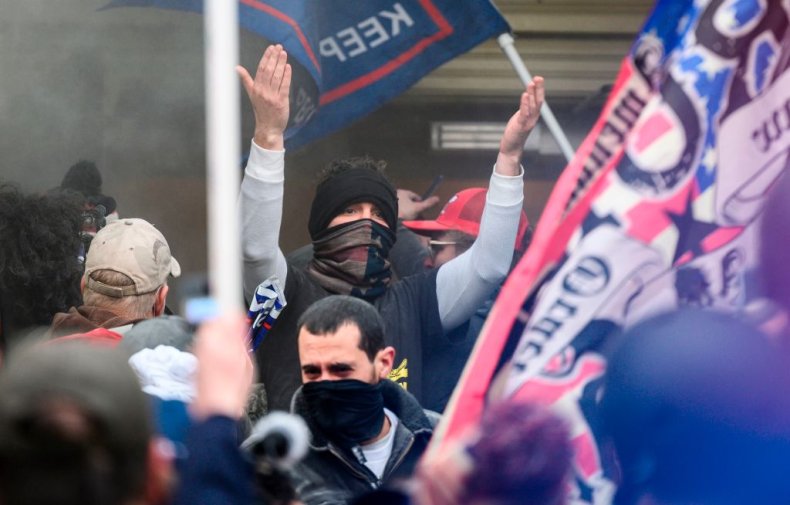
<point>261,217</point>
<point>465,282</point>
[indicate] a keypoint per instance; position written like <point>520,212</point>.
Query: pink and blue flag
<point>657,210</point>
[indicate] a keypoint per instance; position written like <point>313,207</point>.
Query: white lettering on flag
<point>371,32</point>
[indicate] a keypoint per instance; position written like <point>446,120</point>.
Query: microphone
<point>280,439</point>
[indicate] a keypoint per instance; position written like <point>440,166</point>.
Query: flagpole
<point>506,42</point>
<point>222,152</point>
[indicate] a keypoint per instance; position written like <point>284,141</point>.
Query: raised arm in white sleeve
<point>261,218</point>
<point>261,197</point>
<point>465,282</point>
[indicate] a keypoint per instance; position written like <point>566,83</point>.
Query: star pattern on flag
<point>593,221</point>
<point>691,232</point>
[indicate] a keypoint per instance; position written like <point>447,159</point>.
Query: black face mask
<point>348,411</point>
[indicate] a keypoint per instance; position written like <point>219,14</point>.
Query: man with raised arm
<point>352,221</point>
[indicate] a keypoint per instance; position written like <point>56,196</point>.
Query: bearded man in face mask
<point>352,222</point>
<point>366,430</point>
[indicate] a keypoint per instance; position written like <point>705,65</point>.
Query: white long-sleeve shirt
<point>462,284</point>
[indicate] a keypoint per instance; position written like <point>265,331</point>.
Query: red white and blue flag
<point>657,210</point>
<point>350,57</point>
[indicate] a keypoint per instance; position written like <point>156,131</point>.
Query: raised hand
<point>268,93</point>
<point>511,147</point>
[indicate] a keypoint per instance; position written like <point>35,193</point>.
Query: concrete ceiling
<point>577,45</point>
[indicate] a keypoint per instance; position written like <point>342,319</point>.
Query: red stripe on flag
<point>721,238</point>
<point>548,244</point>
<point>268,9</point>
<point>436,16</point>
<point>445,30</point>
<point>469,399</point>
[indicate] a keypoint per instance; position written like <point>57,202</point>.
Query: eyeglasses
<point>438,245</point>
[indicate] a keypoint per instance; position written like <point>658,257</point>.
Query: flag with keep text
<point>352,57</point>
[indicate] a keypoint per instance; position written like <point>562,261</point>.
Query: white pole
<point>506,42</point>
<point>222,152</point>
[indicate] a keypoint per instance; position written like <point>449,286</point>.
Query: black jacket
<point>410,312</point>
<point>331,475</point>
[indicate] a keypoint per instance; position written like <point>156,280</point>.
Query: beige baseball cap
<point>133,247</point>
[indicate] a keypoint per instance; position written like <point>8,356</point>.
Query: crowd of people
<point>106,398</point>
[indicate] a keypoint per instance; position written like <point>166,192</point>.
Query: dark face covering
<point>348,411</point>
<point>351,259</point>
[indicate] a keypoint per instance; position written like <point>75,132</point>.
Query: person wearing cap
<point>352,222</point>
<point>125,281</point>
<point>454,231</point>
<point>75,429</point>
<point>450,235</point>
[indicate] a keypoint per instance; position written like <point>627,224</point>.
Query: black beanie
<point>355,185</point>
<point>84,177</point>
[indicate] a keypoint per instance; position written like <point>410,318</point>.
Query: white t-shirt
<point>378,453</point>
